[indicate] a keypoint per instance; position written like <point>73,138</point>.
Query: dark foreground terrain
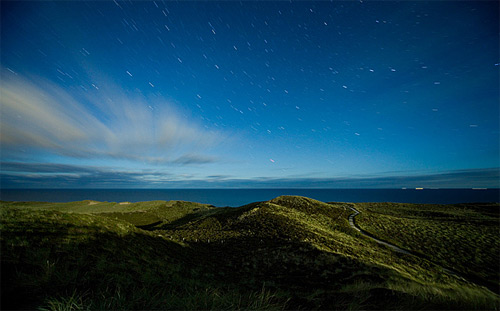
<point>290,253</point>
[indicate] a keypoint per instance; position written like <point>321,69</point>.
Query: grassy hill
<point>462,237</point>
<point>287,253</point>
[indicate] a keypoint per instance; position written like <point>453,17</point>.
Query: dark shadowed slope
<point>287,253</point>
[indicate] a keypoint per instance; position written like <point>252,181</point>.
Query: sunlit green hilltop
<point>290,253</point>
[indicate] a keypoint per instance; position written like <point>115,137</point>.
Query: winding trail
<point>392,246</point>
<point>407,252</point>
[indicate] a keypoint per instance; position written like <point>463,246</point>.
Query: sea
<point>240,197</point>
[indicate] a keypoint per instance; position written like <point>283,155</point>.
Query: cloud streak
<point>34,175</point>
<point>40,117</point>
<point>50,175</point>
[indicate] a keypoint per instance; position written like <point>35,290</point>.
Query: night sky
<point>249,94</point>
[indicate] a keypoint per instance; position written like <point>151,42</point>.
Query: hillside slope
<point>286,253</point>
<point>462,237</point>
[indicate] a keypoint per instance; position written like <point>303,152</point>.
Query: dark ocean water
<point>239,197</point>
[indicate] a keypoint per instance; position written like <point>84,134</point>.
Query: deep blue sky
<point>250,94</point>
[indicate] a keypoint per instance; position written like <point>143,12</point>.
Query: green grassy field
<point>290,253</point>
<point>461,237</point>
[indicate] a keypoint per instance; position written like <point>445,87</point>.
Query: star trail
<point>161,94</point>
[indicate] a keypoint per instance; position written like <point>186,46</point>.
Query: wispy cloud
<point>51,175</point>
<point>21,167</point>
<point>38,116</point>
<point>194,159</point>
<point>470,178</point>
<point>34,175</point>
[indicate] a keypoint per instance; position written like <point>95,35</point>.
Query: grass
<point>78,261</point>
<point>193,299</point>
<point>461,237</point>
<point>285,254</point>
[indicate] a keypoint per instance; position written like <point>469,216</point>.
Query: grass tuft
<point>287,253</point>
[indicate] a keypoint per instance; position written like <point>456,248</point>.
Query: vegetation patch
<point>287,253</point>
<point>462,237</point>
